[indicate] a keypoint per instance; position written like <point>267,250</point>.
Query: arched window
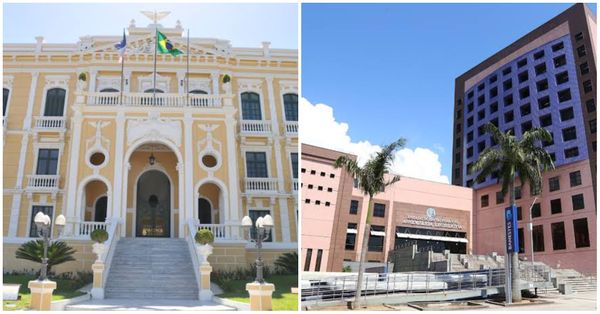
<point>150,100</point>
<point>290,102</point>
<point>100,209</point>
<point>109,90</point>
<point>55,102</point>
<point>152,90</point>
<point>108,100</point>
<point>198,91</point>
<point>5,93</point>
<point>251,106</point>
<point>204,211</point>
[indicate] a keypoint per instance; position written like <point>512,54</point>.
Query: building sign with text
<point>432,220</point>
<point>510,222</point>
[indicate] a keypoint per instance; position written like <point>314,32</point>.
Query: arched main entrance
<point>153,205</point>
<point>100,209</point>
<point>204,211</point>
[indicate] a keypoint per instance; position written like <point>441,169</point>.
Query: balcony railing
<point>158,100</point>
<point>84,228</point>
<point>295,184</point>
<point>221,231</point>
<point>256,127</point>
<point>291,127</point>
<point>42,182</point>
<point>50,123</point>
<point>261,185</point>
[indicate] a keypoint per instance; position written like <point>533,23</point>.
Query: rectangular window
<point>353,207</point>
<point>318,263</point>
<point>562,77</point>
<point>290,103</point>
<point>255,214</point>
<point>536,210</point>
<point>554,184</point>
<point>543,102</point>
<point>470,136</point>
<point>555,206</point>
<point>521,240</point>
<point>525,109</point>
<point>540,69</point>
<point>542,85</point>
<point>481,114</point>
<point>571,152</point>
<point>256,165</point>
<point>575,178</point>
<point>590,105</point>
<point>564,95</point>
<point>507,84</point>
<point>558,46</point>
<point>470,94</point>
<point>548,143</point>
<point>523,76</point>
<point>470,152</point>
<point>519,213</point>
<point>493,78</point>
<point>481,87</point>
<point>524,92</point>
<point>538,238</point>
<point>587,86</point>
<point>508,100</point>
<point>506,71</point>
<point>526,126</point>
<point>560,61</point>
<point>494,107</point>
<point>578,36</point>
<point>480,100</point>
<point>592,125</point>
<point>47,210</point>
<point>470,107</point>
<point>518,192</point>
<point>546,120</point>
<point>55,102</point>
<point>376,238</point>
<point>508,116</point>
<point>538,55</point>
<point>582,236</point>
<point>493,92</point>
<point>351,236</point>
<point>251,106</point>
<point>584,68</point>
<point>480,147</point>
<point>485,200</point>
<point>47,162</point>
<point>521,63</point>
<point>469,121</point>
<point>499,197</point>
<point>378,210</point>
<point>581,51</point>
<point>569,134</point>
<point>567,114</point>
<point>5,93</point>
<point>558,236</point>
<point>307,260</point>
<point>578,202</point>
<point>294,161</point>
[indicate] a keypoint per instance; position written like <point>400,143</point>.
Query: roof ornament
<point>156,16</point>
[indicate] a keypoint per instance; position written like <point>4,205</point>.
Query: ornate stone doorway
<point>153,205</point>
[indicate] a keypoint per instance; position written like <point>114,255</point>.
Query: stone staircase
<point>576,281</point>
<point>151,268</point>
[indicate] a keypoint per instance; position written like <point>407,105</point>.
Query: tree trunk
<point>363,256</point>
<point>514,257</point>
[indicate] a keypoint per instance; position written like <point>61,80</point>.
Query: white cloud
<point>320,128</point>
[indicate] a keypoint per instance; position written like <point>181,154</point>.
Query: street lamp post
<point>263,231</point>
<point>43,222</point>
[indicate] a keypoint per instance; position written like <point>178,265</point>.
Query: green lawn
<point>65,289</point>
<point>283,298</point>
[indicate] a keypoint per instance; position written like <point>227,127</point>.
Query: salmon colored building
<point>412,211</point>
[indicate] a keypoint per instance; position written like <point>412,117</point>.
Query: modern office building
<point>152,155</point>
<point>412,211</point>
<point>545,79</point>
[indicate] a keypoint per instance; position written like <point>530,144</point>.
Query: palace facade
<point>150,155</point>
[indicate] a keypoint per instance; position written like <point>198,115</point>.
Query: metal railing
<point>150,100</point>
<point>261,185</point>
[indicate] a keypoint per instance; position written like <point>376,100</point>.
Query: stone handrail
<point>113,230</point>
<point>49,123</point>
<point>261,184</point>
<point>85,228</point>
<point>190,239</point>
<point>221,231</point>
<point>291,127</point>
<point>255,127</point>
<point>42,181</point>
<point>154,100</point>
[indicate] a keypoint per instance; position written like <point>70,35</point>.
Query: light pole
<point>263,231</point>
<point>531,229</point>
<point>43,222</point>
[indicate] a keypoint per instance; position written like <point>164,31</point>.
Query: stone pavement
<point>147,305</point>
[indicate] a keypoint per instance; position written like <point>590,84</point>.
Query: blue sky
<point>388,70</point>
<point>246,25</point>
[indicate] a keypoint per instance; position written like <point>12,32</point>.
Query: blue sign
<point>512,236</point>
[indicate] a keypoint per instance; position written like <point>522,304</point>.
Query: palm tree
<point>511,158</point>
<point>58,252</point>
<point>371,181</point>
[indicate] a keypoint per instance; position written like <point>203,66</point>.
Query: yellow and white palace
<point>145,158</point>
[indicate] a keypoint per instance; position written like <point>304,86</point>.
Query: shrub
<point>204,236</point>
<point>99,235</point>
<point>287,263</point>
<point>226,78</point>
<point>58,252</point>
<point>82,76</point>
<point>347,269</point>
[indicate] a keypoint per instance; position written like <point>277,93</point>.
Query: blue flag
<point>122,45</point>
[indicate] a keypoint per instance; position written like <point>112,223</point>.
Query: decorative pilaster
<point>183,210</point>
<point>214,76</point>
<point>118,175</point>
<point>32,90</point>
<point>73,162</point>
<point>93,75</point>
<point>233,214</point>
<point>189,166</point>
<point>41,294</point>
<point>271,95</point>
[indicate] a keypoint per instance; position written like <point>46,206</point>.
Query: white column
<point>214,76</point>
<point>28,117</point>
<point>271,95</point>
<point>188,162</point>
<point>14,214</point>
<point>73,162</point>
<point>233,212</point>
<point>93,74</point>
<point>118,174</point>
<point>183,209</point>
<point>122,208</point>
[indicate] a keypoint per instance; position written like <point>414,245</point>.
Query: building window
<point>525,109</point>
<point>331,175</point>
<point>379,210</point>
<point>540,69</point>
<point>320,188</point>
<point>590,105</point>
<point>507,84</point>
<point>548,143</point>
<point>470,107</point>
<point>310,186</point>
<point>313,172</point>
<point>518,192</point>
<point>575,178</point>
<point>569,134</point>
<point>493,78</point>
<point>255,214</point>
<point>506,71</point>
<point>485,200</point>
<point>307,201</point>
<point>519,213</point>
<point>587,86</point>
<point>555,206</point>
<point>499,197</point>
<point>251,106</point>
<point>538,55</point>
<point>307,260</point>
<point>480,100</point>
<point>584,68</point>
<point>558,236</point>
<point>256,165</point>
<point>494,107</point>
<point>577,201</point>
<point>469,121</point>
<point>578,36</point>
<point>554,184</point>
<point>521,240</point>
<point>580,229</point>
<point>592,125</point>
<point>55,102</point>
<point>376,239</point>
<point>470,94</point>
<point>481,114</point>
<point>560,61</point>
<point>526,126</point>
<point>493,92</point>
<point>469,136</point>
<point>470,152</point>
<point>524,92</point>
<point>564,95</point>
<point>543,102</point>
<point>47,162</point>
<point>536,210</point>
<point>294,161</point>
<point>546,120</point>
<point>508,116</point>
<point>322,174</point>
<point>581,51</point>
<point>571,152</point>
<point>538,238</point>
<point>469,183</point>
<point>5,94</point>
<point>508,100</point>
<point>317,202</point>
<point>558,46</point>
<point>318,263</point>
<point>521,63</point>
<point>567,114</point>
<point>353,207</point>
<point>562,77</point>
<point>542,85</point>
<point>351,236</point>
<point>290,103</point>
<point>523,76</point>
<point>480,147</point>
<point>47,210</point>
<point>480,130</point>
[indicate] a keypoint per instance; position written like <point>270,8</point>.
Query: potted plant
<point>99,236</point>
<point>204,239</point>
<point>82,76</point>
<point>227,83</point>
<point>82,81</point>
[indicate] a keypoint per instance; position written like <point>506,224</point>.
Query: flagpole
<point>187,74</point>
<point>122,69</point>
<point>155,44</point>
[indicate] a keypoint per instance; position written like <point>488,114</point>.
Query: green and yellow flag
<point>164,45</point>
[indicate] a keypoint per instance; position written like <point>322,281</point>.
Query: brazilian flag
<point>164,45</point>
